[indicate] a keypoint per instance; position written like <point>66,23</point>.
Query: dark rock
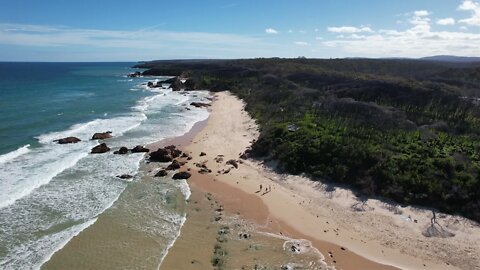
<point>122,151</point>
<point>125,176</point>
<point>102,135</point>
<point>150,84</point>
<point>176,84</point>
<point>101,148</point>
<point>182,175</point>
<point>173,166</point>
<point>140,149</point>
<point>200,104</point>
<point>135,74</point>
<point>161,155</point>
<point>185,155</point>
<point>68,140</point>
<point>189,84</point>
<point>161,173</point>
<point>233,163</point>
<point>203,154</point>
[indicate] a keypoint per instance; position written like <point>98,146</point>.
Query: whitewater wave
<point>46,187</point>
<point>14,154</point>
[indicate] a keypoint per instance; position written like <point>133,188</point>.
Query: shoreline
<point>236,134</point>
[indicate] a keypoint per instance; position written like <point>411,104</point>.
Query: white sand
<point>376,233</point>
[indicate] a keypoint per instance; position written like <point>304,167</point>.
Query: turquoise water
<point>51,192</point>
<point>37,98</point>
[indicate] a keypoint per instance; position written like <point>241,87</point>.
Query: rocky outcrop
<point>199,104</point>
<point>161,173</point>
<point>173,166</point>
<point>68,140</point>
<point>182,175</point>
<point>99,149</point>
<point>140,149</point>
<point>189,85</point>
<point>165,154</point>
<point>161,155</point>
<point>102,135</point>
<point>135,74</point>
<point>122,151</point>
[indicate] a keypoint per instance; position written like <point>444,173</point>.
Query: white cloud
<point>349,29</point>
<point>319,38</point>
<point>271,31</point>
<point>421,13</point>
<point>301,43</point>
<point>60,43</point>
<point>446,21</point>
<point>290,31</point>
<point>474,8</point>
<point>416,41</point>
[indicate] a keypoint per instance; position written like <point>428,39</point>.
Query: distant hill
<point>453,59</point>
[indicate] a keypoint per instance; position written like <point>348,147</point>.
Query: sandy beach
<point>349,233</point>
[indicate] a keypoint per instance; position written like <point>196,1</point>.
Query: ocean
<point>50,192</point>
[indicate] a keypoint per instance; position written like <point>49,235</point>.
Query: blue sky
<point>32,30</point>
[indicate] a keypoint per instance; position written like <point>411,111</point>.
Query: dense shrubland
<point>402,129</point>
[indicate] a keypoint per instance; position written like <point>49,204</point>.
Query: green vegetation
<point>402,129</point>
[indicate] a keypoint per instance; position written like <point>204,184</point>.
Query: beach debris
<point>244,236</point>
<point>233,163</point>
<point>99,149</point>
<point>200,104</point>
<point>122,151</point>
<point>139,149</point>
<point>182,175</point>
<point>68,140</point>
<point>102,135</point>
<point>161,173</point>
<point>435,229</point>
<point>125,176</point>
<point>173,166</point>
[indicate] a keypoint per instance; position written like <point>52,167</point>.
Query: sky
<point>136,30</point>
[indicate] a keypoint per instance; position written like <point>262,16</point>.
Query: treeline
<point>402,129</point>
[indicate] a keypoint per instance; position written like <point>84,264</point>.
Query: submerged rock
<point>122,151</point>
<point>199,104</point>
<point>125,176</point>
<point>99,149</point>
<point>102,135</point>
<point>68,140</point>
<point>161,173</point>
